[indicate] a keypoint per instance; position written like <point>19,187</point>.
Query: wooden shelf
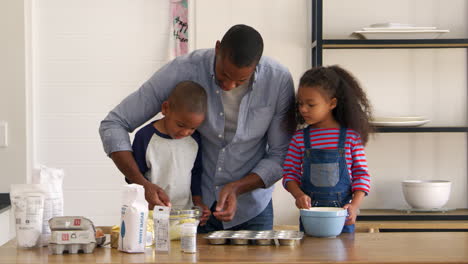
<point>422,129</point>
<point>393,43</point>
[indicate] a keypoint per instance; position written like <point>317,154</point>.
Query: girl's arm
<point>360,180</point>
<point>292,170</point>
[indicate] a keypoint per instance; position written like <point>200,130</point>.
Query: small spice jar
<point>188,240</point>
<point>179,217</point>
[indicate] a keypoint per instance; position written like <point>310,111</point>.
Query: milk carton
<point>132,237</point>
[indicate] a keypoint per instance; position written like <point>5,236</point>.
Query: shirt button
<point>217,92</point>
<point>221,114</point>
<point>223,149</point>
<point>220,136</point>
<point>219,168</point>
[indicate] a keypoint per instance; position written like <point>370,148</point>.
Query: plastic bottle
<point>188,240</point>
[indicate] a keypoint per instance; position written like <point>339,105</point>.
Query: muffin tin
<point>263,238</point>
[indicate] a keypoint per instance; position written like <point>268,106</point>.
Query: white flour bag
<point>28,208</point>
<point>53,200</point>
<point>132,237</point>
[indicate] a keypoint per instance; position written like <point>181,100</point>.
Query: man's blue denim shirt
<point>261,139</point>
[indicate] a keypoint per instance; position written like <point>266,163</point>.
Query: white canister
<point>188,239</point>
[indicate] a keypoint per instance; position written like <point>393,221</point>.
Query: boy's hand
<point>205,214</point>
<point>197,201</point>
<point>303,201</point>
<point>352,213</point>
<point>155,195</point>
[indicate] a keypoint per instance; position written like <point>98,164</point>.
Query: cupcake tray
<point>263,238</point>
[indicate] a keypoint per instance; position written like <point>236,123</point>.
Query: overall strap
<point>342,140</point>
<point>306,137</point>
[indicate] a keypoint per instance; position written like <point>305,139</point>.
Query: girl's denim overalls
<point>325,176</point>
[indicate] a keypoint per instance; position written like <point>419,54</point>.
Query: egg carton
<point>264,238</point>
<point>58,249</point>
<point>72,234</point>
<point>70,223</point>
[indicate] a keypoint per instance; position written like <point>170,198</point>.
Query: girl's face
<point>316,107</point>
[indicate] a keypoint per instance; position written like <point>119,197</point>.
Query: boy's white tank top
<point>170,163</point>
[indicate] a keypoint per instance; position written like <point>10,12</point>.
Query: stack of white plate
<point>399,121</point>
<point>399,31</point>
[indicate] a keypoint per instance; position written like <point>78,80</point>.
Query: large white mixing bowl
<point>431,194</point>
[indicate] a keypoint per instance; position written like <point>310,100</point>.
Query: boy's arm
<point>154,194</point>
<point>134,166</point>
<point>197,169</point>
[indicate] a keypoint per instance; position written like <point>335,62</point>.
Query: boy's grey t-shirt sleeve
<point>139,107</point>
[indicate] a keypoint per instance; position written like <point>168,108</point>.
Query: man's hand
<point>227,203</point>
<point>227,200</point>
<point>155,195</point>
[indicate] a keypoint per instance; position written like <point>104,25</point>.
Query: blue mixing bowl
<point>323,221</point>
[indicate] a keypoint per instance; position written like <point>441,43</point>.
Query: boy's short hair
<point>188,96</point>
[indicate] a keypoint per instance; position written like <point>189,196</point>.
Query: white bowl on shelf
<point>426,194</point>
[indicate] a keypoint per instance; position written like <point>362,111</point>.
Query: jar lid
<point>186,213</point>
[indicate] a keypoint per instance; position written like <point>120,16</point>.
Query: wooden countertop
<point>418,247</point>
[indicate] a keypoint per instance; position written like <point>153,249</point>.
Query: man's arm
<point>140,106</point>
<point>279,134</point>
<point>131,113</point>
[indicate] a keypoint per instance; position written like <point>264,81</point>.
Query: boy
<point>168,153</point>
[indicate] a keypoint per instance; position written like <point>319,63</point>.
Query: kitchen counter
<point>406,247</point>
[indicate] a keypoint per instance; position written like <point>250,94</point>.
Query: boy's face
<point>180,124</point>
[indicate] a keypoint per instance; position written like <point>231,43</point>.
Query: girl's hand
<point>353,207</point>
<point>352,213</point>
<point>303,201</point>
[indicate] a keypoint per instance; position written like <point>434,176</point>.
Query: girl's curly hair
<point>353,109</point>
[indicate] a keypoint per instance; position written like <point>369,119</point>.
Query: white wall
<point>12,93</point>
<point>89,56</point>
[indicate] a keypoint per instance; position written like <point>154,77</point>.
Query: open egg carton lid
<point>245,237</point>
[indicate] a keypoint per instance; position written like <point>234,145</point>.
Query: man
<point>244,137</point>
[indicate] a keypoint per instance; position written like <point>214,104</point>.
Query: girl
<point>325,165</point>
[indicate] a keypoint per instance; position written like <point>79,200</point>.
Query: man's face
<point>229,76</point>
